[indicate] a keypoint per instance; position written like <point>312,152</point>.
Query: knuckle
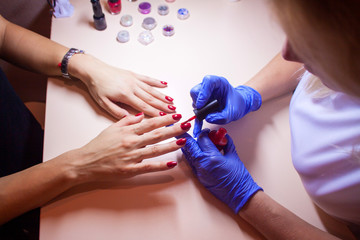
<point>156,135</point>
<point>155,150</point>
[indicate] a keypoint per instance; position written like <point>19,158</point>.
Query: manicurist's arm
<point>277,78</point>
<point>276,222</point>
<point>115,154</point>
<point>107,84</point>
<point>226,177</point>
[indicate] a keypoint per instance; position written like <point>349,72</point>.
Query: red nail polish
<point>165,83</point>
<point>139,114</point>
<point>181,141</point>
<point>171,164</point>
<point>185,126</point>
<point>114,6</point>
<point>171,107</point>
<point>176,116</point>
<point>162,113</point>
<point>218,138</point>
<point>169,98</point>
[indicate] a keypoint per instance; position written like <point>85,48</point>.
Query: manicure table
<point>220,37</point>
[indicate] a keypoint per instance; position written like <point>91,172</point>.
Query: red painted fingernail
<point>139,114</point>
<point>171,164</point>
<point>176,116</point>
<point>185,126</point>
<point>181,141</point>
<point>171,107</point>
<point>169,98</point>
<point>162,113</point>
<point>165,83</point>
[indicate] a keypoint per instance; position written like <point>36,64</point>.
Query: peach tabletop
<point>221,37</point>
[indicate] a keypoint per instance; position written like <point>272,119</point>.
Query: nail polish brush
<point>216,136</point>
<point>201,113</point>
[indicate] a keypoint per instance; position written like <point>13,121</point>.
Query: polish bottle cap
<point>123,36</point>
<point>168,30</point>
<point>149,23</point>
<point>183,13</point>
<point>218,138</point>
<point>211,107</point>
<point>163,9</point>
<point>146,37</point>
<point>144,7</point>
<point>126,20</point>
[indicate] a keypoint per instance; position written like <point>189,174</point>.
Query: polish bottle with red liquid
<point>114,6</point>
<point>218,138</point>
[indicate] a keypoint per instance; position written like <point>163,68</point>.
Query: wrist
<point>80,66</point>
<point>70,164</point>
<point>251,96</point>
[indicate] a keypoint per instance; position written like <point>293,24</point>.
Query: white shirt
<point>325,132</point>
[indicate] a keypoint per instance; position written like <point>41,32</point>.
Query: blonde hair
<point>336,24</point>
<point>316,88</point>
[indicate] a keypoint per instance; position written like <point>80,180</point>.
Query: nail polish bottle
<point>218,138</point>
<point>114,6</point>
<point>99,17</point>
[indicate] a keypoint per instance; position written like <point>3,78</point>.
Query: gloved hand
<point>225,176</point>
<point>235,102</point>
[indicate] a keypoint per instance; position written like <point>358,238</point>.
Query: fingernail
<point>176,116</point>
<point>169,98</point>
<point>139,114</point>
<point>171,107</point>
<point>162,82</point>
<point>171,164</point>
<point>185,126</point>
<point>181,141</point>
<point>162,113</point>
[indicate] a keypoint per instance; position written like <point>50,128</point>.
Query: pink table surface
<point>230,39</point>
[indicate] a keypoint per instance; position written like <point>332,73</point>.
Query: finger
<point>197,128</point>
<point>114,109</point>
<point>159,149</point>
<point>156,103</point>
<point>141,105</point>
<point>218,117</point>
<point>194,93</point>
<point>162,134</point>
<point>206,145</point>
<point>230,147</point>
<point>207,88</point>
<point>151,81</point>
<point>129,120</point>
<point>191,150</point>
<point>157,122</point>
<point>155,93</point>
<point>152,166</point>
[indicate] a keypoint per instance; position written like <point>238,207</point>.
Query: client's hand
<point>235,102</point>
<point>109,85</point>
<point>225,176</point>
<point>118,152</point>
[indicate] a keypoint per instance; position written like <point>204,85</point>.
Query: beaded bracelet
<point>64,63</point>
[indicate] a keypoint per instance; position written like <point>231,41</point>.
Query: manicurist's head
<point>325,36</point>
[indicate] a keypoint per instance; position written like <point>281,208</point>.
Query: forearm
<point>277,78</point>
<point>30,50</point>
<point>35,186</point>
<point>276,222</point>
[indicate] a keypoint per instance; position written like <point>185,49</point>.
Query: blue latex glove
<point>235,102</point>
<point>225,176</point>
